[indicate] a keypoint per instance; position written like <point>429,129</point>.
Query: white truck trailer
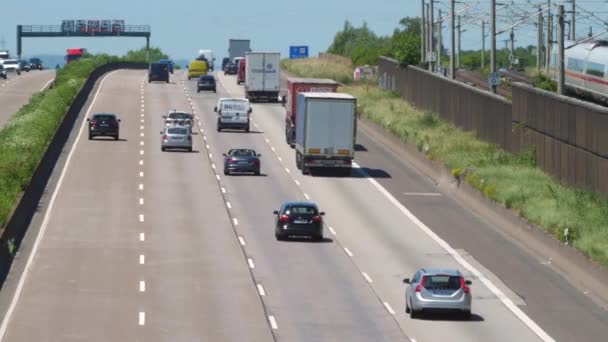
<point>262,72</point>
<point>326,126</point>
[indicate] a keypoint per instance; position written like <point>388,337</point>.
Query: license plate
<point>242,162</point>
<point>236,118</point>
<point>300,221</point>
<point>104,125</point>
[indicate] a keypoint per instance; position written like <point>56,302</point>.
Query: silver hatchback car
<point>176,137</point>
<point>437,290</point>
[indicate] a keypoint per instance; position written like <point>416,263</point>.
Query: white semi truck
<point>262,76</point>
<point>326,126</point>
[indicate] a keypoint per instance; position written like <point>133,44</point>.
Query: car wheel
<point>198,90</point>
<point>116,137</point>
<point>162,148</point>
<point>305,170</point>
<point>257,173</point>
<point>247,129</point>
<point>167,81</point>
<point>407,308</point>
<point>279,237</point>
<point>90,137</point>
<point>226,172</point>
<point>466,315</point>
<point>189,149</point>
<point>413,313</point>
<point>318,238</point>
<point>219,129</point>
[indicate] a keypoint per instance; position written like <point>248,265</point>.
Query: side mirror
<point>161,132</point>
<point>164,116</point>
<point>119,120</point>
<point>88,119</point>
<point>224,154</point>
<point>276,212</point>
<point>259,154</point>
<point>322,213</point>
<point>406,280</point>
<point>215,109</point>
<point>468,282</point>
<point>250,110</point>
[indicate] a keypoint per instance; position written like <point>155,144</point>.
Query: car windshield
<point>103,117</point>
<point>300,210</point>
<point>207,78</point>
<point>177,130</point>
<point>234,105</point>
<point>441,282</point>
<point>179,116</point>
<point>242,153</point>
<point>35,60</point>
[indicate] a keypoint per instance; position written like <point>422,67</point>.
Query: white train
<point>586,67</point>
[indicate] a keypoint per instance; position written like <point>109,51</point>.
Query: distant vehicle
<point>205,82</point>
<point>208,54</point>
<point>24,65</point>
<point>262,72</point>
<point>2,71</point>
<point>326,127</point>
<point>35,63</point>
<point>437,289</point>
<point>73,54</point>
<point>181,119</point>
<point>241,75</point>
<point>242,161</point>
<point>169,63</point>
<point>231,69</point>
<point>12,65</point>
<point>238,47</point>
<point>4,54</point>
<point>158,72</point>
<point>237,60</point>
<point>225,61</point>
<point>298,219</point>
<point>197,68</point>
<point>104,124</point>
<point>301,85</point>
<point>176,138</point>
<point>233,113</point>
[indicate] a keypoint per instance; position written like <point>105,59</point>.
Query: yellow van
<point>197,68</point>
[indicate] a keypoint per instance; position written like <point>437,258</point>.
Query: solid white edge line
<point>45,221</point>
<point>142,259</point>
<point>495,290</point>
<point>273,322</point>
<point>242,241</point>
<point>261,290</point>
<point>332,230</point>
<point>388,308</point>
<point>142,318</point>
<point>367,277</point>
<point>350,254</point>
<point>142,286</point>
<point>250,263</point>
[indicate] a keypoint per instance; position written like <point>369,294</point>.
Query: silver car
<point>437,290</point>
<point>176,137</point>
<point>175,118</point>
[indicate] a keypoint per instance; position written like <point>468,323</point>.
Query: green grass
<point>512,180</point>
<point>320,68</point>
<point>25,137</point>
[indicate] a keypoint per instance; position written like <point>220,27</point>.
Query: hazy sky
<point>182,27</point>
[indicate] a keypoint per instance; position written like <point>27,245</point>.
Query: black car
<point>298,219</point>
<point>24,65</point>
<point>35,63</point>
<point>242,160</point>
<point>104,124</point>
<point>231,69</point>
<point>205,82</point>
<point>225,61</point>
<point>2,71</point>
<point>158,72</point>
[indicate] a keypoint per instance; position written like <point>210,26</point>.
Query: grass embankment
<point>512,180</point>
<point>25,137</point>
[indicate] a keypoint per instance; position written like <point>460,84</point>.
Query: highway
<point>142,245</point>
<point>16,90</point>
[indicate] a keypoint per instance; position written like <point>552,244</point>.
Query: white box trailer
<point>262,76</point>
<point>326,128</point>
<point>208,54</point>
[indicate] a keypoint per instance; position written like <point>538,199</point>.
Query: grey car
<point>433,289</point>
<point>242,160</point>
<point>176,138</point>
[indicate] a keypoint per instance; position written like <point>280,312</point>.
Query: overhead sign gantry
<point>83,28</point>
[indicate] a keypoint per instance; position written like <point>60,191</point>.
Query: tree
<point>140,55</point>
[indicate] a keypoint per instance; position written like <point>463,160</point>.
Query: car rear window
<point>441,282</point>
<point>176,130</point>
<point>301,210</point>
<point>179,116</point>
<point>104,117</point>
<point>242,153</point>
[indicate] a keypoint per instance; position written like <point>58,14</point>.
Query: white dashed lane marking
<point>141,186</point>
<point>141,162</point>
<point>332,230</point>
<point>229,205</point>
<point>250,263</point>
<point>388,308</point>
<point>367,277</point>
<point>141,217</point>
<point>142,237</point>
<point>273,322</point>
<point>242,241</point>
<point>142,318</point>
<point>350,254</point>
<point>142,286</point>
<point>307,197</point>
<point>142,259</point>
<point>223,190</point>
<point>235,221</point>
<point>261,290</point>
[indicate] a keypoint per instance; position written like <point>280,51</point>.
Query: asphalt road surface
<point>142,245</point>
<point>16,90</point>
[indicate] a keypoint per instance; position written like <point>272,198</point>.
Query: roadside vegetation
<point>511,180</point>
<point>340,70</point>
<point>25,137</point>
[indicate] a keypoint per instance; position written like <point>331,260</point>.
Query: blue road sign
<point>298,52</point>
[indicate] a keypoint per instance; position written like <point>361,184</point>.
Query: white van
<point>233,113</point>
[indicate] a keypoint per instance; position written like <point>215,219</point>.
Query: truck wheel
<point>305,170</point>
<point>298,161</point>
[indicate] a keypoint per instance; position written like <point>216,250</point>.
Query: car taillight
<point>165,137</point>
<point>283,218</point>
<point>464,286</point>
<point>93,122</point>
<point>316,219</point>
<point>231,160</point>
<point>255,161</point>
<point>419,287</point>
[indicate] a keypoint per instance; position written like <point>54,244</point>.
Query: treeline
<point>363,46</point>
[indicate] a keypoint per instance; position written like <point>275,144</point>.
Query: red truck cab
<point>240,77</point>
<point>73,54</point>
<point>301,85</point>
